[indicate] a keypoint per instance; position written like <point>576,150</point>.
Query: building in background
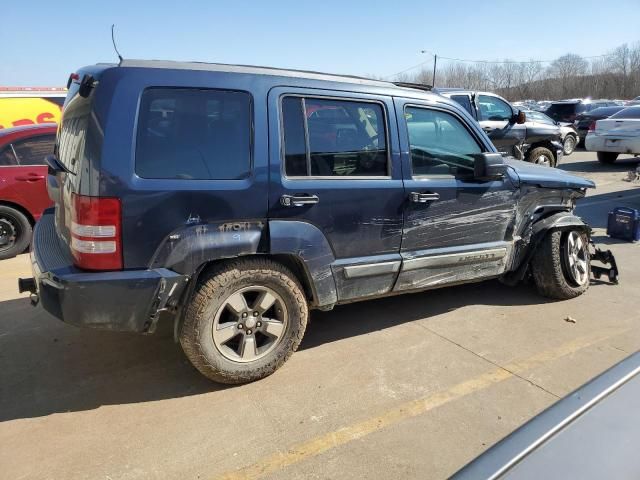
<point>30,105</point>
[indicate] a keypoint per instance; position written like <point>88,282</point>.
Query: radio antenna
<point>113,40</point>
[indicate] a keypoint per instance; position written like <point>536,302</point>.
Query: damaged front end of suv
<point>551,243</point>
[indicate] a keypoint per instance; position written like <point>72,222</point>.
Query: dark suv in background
<point>507,128</point>
<point>230,200</point>
<point>567,110</point>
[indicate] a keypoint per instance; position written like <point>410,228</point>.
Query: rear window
<point>72,135</point>
<point>563,109</point>
<point>198,134</point>
<point>631,112</point>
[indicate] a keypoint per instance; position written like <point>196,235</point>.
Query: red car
<point>23,188</point>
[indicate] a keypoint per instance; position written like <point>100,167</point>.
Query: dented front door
<point>455,228</point>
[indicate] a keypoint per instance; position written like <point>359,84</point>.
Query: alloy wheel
<point>249,324</point>
<point>543,160</point>
<point>569,144</point>
<point>576,258</point>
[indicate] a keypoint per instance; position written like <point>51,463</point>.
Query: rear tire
<point>244,320</point>
<point>15,232</point>
<point>553,269</point>
<point>569,144</point>
<point>541,156</point>
<point>607,157</point>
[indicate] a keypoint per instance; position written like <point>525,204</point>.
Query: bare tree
<point>566,68</point>
<point>614,75</point>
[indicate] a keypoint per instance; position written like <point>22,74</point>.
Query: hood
<point>545,176</point>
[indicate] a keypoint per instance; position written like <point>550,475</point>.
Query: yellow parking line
<point>323,443</point>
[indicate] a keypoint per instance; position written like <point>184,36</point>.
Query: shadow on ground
<point>622,165</point>
<point>595,208</point>
<point>47,366</point>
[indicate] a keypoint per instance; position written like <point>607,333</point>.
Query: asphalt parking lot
<point>406,387</point>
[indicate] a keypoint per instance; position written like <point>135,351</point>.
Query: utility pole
<point>435,62</point>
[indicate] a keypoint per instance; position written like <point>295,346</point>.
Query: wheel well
<point>19,208</point>
<point>293,263</point>
<point>544,144</point>
<point>296,265</point>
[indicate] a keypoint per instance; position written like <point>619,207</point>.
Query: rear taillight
<point>96,239</point>
<point>592,127</point>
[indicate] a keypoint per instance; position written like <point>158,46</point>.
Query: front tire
<point>569,144</point>
<point>607,157</point>
<point>245,319</point>
<point>15,232</point>
<point>541,156</point>
<point>561,266</point>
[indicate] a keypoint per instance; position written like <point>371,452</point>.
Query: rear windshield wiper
<point>56,166</point>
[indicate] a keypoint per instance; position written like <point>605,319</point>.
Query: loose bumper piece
<point>606,258</point>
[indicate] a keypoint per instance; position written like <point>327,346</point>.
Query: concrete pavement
<point>407,387</point>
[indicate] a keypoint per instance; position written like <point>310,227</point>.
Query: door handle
<point>29,178</point>
<point>298,200</point>
<point>424,197</point>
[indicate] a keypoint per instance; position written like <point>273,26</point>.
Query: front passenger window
<point>440,143</point>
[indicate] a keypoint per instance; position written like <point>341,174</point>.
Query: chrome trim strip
<point>462,258</point>
<point>370,269</point>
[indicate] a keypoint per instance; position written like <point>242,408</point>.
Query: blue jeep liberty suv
<point>233,199</point>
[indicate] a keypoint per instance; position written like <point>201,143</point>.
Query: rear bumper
<point>129,300</point>
<point>600,143</point>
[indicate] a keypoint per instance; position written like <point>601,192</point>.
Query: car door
<point>334,168</point>
<point>25,176</point>
<point>496,117</point>
<point>455,228</point>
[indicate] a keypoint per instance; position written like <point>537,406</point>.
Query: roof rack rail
<point>419,86</point>
<point>452,89</point>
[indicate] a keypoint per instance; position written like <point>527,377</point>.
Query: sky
<point>44,41</point>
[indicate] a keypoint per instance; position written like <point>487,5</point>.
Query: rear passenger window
<point>333,138</point>
<point>440,143</point>
<point>194,134</point>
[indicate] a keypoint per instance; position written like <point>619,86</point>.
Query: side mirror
<point>521,117</point>
<point>488,166</point>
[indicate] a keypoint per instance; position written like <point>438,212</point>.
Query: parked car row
<point>570,105</point>
<point>537,140</point>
